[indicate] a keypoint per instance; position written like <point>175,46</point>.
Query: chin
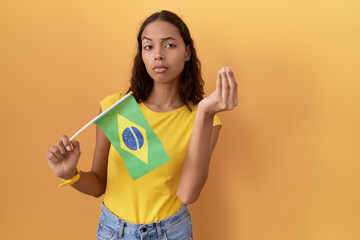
<point>164,79</point>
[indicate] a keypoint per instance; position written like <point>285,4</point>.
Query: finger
<point>225,86</point>
<point>218,82</point>
<point>56,151</point>
<point>51,157</point>
<point>236,97</point>
<point>62,149</point>
<point>232,100</point>
<point>66,142</point>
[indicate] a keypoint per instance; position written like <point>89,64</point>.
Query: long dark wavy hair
<point>190,85</point>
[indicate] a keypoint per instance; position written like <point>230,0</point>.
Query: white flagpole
<point>101,114</point>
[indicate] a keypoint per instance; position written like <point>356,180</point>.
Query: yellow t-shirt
<point>151,197</point>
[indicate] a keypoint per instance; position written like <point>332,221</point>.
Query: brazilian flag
<point>133,138</point>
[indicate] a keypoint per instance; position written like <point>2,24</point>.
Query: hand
<point>62,159</point>
<point>225,97</point>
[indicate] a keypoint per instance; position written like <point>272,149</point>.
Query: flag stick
<point>101,114</point>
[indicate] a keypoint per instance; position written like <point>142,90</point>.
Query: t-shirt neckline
<point>163,113</point>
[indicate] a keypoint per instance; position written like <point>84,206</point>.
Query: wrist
<point>72,180</point>
<point>204,118</point>
<point>69,175</point>
<point>202,110</point>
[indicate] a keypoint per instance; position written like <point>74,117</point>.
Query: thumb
<point>76,148</point>
<point>75,144</point>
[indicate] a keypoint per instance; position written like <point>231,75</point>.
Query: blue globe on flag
<point>133,138</point>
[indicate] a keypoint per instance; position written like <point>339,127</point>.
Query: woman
<point>166,82</point>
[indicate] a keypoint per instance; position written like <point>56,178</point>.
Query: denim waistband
<point>122,226</point>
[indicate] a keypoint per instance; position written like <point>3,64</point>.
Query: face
<point>163,47</point>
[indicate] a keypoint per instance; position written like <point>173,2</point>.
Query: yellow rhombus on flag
<point>140,144</point>
<point>133,138</point>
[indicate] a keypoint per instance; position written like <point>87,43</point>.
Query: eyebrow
<point>162,39</point>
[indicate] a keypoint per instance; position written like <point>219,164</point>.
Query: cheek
<point>148,65</point>
<point>145,60</point>
<point>180,62</point>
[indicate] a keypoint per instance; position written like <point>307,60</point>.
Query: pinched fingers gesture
<point>225,97</point>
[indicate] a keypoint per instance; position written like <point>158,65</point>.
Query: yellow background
<point>287,162</point>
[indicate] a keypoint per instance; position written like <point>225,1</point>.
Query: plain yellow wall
<point>287,162</point>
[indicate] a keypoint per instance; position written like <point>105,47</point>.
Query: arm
<point>204,136</point>
<point>63,162</point>
<point>196,166</point>
<point>94,182</point>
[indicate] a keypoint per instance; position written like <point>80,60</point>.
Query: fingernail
<point>223,70</point>
<point>227,69</point>
<point>68,148</point>
<point>230,69</point>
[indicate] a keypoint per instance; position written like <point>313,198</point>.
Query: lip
<point>160,66</point>
<point>160,69</point>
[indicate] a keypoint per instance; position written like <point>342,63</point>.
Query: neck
<point>164,97</point>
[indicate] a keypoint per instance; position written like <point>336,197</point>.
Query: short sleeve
<point>216,120</point>
<point>110,100</point>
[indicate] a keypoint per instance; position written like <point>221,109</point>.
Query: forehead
<point>159,29</point>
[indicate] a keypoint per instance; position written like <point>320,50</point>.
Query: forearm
<point>196,165</point>
<point>89,184</point>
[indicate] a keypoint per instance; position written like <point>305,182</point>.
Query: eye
<point>146,47</point>
<point>171,45</point>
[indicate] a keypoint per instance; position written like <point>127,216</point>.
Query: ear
<point>187,53</point>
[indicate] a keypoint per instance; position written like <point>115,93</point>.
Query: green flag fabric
<point>133,138</point>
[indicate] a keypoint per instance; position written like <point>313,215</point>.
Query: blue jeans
<point>176,227</point>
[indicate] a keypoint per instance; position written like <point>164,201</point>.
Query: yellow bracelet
<point>72,180</point>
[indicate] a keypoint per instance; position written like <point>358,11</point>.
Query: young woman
<point>167,84</point>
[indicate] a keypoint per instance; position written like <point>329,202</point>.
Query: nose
<point>159,55</point>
